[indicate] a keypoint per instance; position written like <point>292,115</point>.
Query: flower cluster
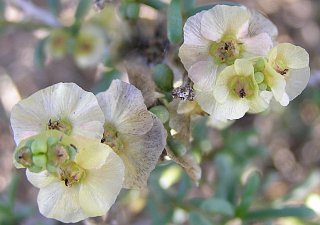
<point>87,48</point>
<point>230,56</point>
<point>81,149</point>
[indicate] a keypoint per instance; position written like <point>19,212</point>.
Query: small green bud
<point>72,151</point>
<point>205,145</point>
<point>259,66</point>
<point>263,87</point>
<point>161,112</point>
<point>39,146</point>
<point>52,141</point>
<point>259,77</point>
<point>40,160</point>
<point>123,10</point>
<point>132,10</point>
<point>177,147</point>
<point>163,77</point>
<point>23,156</point>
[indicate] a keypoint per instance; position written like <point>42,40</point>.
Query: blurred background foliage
<point>261,170</point>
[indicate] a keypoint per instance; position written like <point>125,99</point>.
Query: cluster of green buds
<point>41,153</point>
<point>259,68</point>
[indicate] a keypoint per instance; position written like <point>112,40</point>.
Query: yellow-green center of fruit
<point>225,51</point>
<point>111,138</point>
<point>70,173</point>
<point>242,87</point>
<point>84,45</point>
<point>62,125</point>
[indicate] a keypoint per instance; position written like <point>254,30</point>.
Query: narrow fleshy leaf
<point>272,213</point>
<point>248,192</point>
<point>39,56</point>
<point>174,22</point>
<point>216,205</point>
<point>54,6</point>
<point>82,9</point>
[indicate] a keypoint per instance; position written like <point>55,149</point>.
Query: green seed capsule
<point>163,77</point>
<point>259,77</point>
<point>259,66</point>
<point>57,154</point>
<point>40,160</point>
<point>39,146</point>
<point>23,156</point>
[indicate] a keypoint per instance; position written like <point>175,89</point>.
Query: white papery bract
<point>134,133</point>
<point>215,38</point>
<point>84,187</point>
<point>63,106</point>
<point>236,92</point>
<point>290,64</point>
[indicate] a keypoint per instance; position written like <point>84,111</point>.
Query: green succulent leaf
<point>163,77</point>
<point>198,219</point>
<point>156,4</point>
<point>174,22</point>
<point>272,213</point>
<point>216,205</point>
<point>161,112</point>
<point>54,6</point>
<point>82,9</point>
<point>12,190</point>
<point>132,10</point>
<point>39,56</point>
<point>248,192</point>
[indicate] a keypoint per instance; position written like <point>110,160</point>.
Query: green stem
<point>22,25</point>
<point>156,4</point>
<point>164,102</point>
